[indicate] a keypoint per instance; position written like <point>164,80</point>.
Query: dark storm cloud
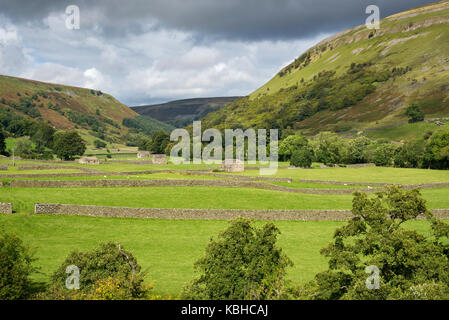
<point>228,19</point>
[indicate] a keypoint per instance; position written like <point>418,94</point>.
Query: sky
<point>152,51</point>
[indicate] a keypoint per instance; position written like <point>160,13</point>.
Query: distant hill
<point>356,80</point>
<point>94,114</point>
<point>181,113</point>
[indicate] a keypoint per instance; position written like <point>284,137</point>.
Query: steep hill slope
<point>358,79</point>
<point>93,113</point>
<point>181,113</point>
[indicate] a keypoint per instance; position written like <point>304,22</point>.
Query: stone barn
<point>233,165</point>
<point>143,155</point>
<point>88,160</point>
<point>159,159</point>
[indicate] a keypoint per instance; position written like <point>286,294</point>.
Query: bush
<point>242,263</point>
<point>411,265</point>
<point>384,154</point>
<point>2,141</point>
<point>15,268</point>
<point>97,268</point>
<point>415,113</point>
<point>437,151</point>
<point>302,158</point>
<point>68,145</point>
<point>99,144</point>
<point>290,144</point>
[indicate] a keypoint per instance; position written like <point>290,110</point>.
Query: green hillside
<point>94,114</point>
<point>357,80</point>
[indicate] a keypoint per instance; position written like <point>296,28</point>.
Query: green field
<point>167,248</point>
<point>368,174</point>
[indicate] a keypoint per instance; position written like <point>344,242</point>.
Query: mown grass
<point>368,174</point>
<point>167,248</point>
<point>23,199</point>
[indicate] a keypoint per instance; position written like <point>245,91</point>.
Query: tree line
<point>430,152</point>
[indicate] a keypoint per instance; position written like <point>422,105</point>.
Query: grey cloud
<point>229,19</point>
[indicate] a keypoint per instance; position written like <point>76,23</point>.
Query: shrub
<point>99,144</point>
<point>107,270</point>
<point>302,158</point>
<point>15,268</point>
<point>2,141</point>
<point>290,144</point>
<point>415,113</point>
<point>437,151</point>
<point>384,154</point>
<point>242,263</point>
<point>411,265</point>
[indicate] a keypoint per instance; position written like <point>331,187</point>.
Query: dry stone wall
<point>171,182</point>
<point>204,214</point>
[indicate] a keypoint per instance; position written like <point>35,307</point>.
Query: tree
<point>437,150</point>
<point>99,144</point>
<point>43,137</point>
<point>23,147</point>
<point>2,142</point>
<point>15,268</point>
<point>410,154</point>
<point>108,268</point>
<point>144,144</point>
<point>159,142</point>
<point>411,265</point>
<point>302,158</point>
<point>242,263</point>
<point>290,144</point>
<point>68,145</point>
<point>383,154</point>
<point>331,149</point>
<point>357,150</point>
<point>415,113</point>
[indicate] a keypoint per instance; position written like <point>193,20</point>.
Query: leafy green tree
<point>384,154</point>
<point>2,141</point>
<point>411,265</point>
<point>23,147</point>
<point>144,144</point>
<point>290,144</point>
<point>410,155</point>
<point>68,144</point>
<point>302,158</point>
<point>109,261</point>
<point>242,263</point>
<point>357,150</point>
<point>437,150</point>
<point>43,137</point>
<point>159,142</point>
<point>99,144</point>
<point>415,113</point>
<point>331,149</point>
<point>16,261</point>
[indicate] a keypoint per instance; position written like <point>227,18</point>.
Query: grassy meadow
<point>168,248</point>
